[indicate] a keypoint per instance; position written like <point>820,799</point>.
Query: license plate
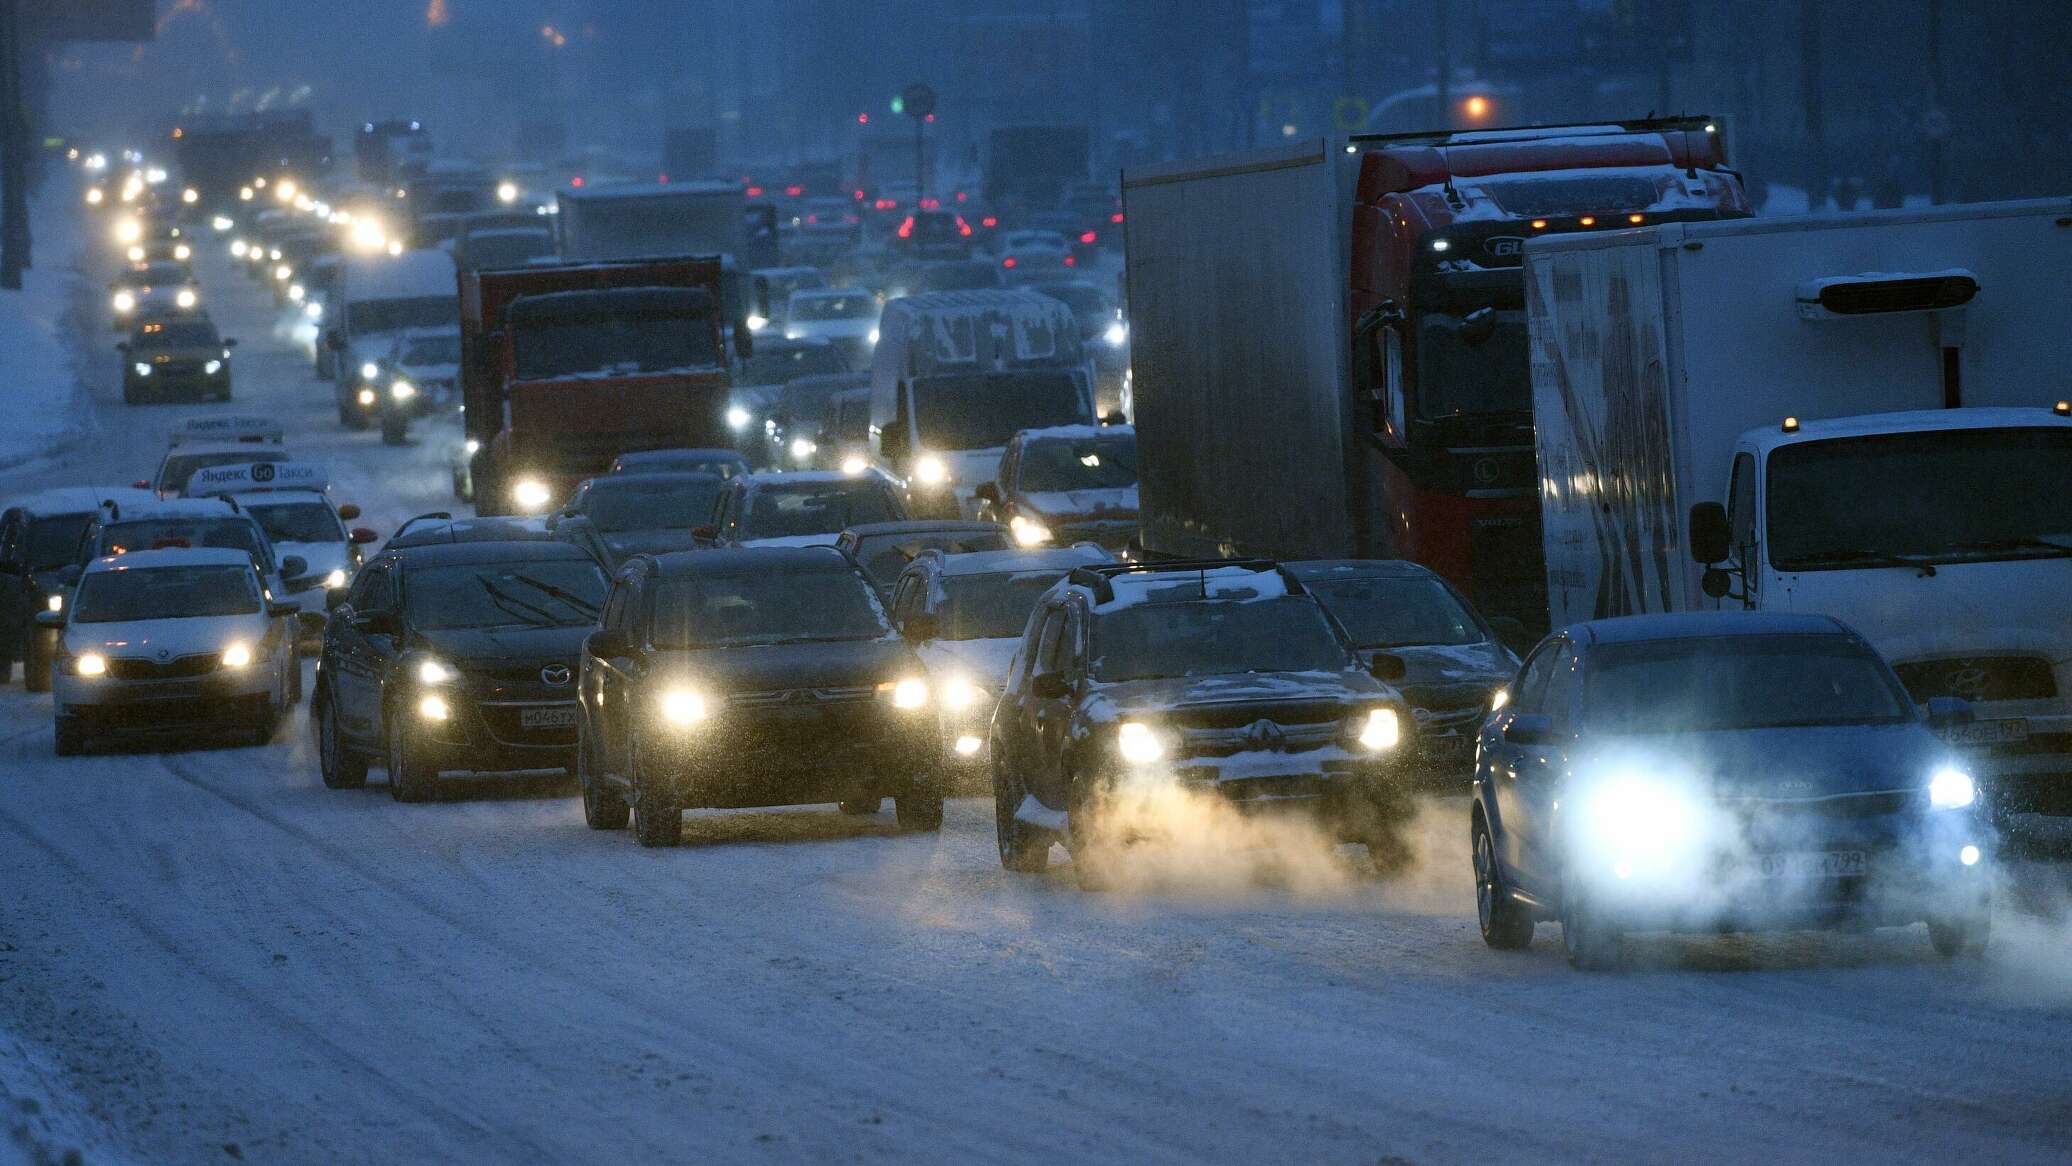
<point>1448,747</point>
<point>547,718</point>
<point>1821,864</point>
<point>2008,732</point>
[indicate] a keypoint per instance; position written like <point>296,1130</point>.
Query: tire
<point>1023,849</point>
<point>67,738</point>
<point>1960,936</point>
<point>657,809</point>
<point>340,767</point>
<point>1592,941</point>
<point>1506,925</point>
<point>861,807</point>
<point>919,810</point>
<point>410,779</point>
<point>37,665</point>
<point>603,807</point>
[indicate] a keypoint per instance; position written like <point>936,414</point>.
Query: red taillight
<point>754,192</point>
<point>887,204</point>
<point>812,218</point>
<point>963,228</point>
<point>1071,262</point>
<point>931,204</point>
<point>989,222</point>
<point>794,190</point>
<point>961,196</point>
<point>863,119</point>
<point>906,229</point>
<point>1010,261</point>
<point>576,181</point>
<point>1116,217</point>
<point>662,178</point>
<point>859,196</point>
<point>1089,237</point>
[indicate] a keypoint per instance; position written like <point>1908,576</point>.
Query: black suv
<point>1221,676</point>
<point>757,677</point>
<point>455,656</point>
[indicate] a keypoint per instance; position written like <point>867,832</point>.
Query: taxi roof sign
<point>255,477</point>
<point>235,427</point>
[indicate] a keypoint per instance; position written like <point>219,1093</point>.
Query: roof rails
<point>1693,123</point>
<point>1100,577</point>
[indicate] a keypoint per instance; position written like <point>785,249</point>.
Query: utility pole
<point>1810,95</point>
<point>14,150</point>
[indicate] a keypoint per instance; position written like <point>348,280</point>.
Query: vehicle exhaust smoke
<point>1149,835</point>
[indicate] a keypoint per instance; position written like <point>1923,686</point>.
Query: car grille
<point>1846,806</point>
<point>1263,735</point>
<point>1979,678</point>
<point>1238,715</point>
<point>175,669</point>
<point>800,697</point>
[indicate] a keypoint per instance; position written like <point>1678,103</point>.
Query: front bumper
<point>800,755</point>
<point>495,732</point>
<point>166,381</point>
<point>220,699</point>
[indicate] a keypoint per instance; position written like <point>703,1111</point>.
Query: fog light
<point>433,707</point>
<point>91,664</point>
<point>908,694</point>
<point>335,579</point>
<point>1968,856</point>
<point>236,656</point>
<point>365,396</point>
<point>966,746</point>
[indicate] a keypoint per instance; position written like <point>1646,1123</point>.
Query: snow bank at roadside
<point>40,362</point>
<point>35,1128</point>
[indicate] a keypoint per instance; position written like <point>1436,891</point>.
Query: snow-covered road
<point>213,957</point>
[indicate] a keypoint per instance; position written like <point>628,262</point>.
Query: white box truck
<point>1856,415</point>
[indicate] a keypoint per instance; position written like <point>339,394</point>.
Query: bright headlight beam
<point>738,417</point>
<point>433,672</point>
<point>1951,789</point>
<point>91,664</point>
<point>237,656</point>
<point>909,694</point>
<point>369,371</point>
<point>1382,730</point>
<point>1027,531</point>
<point>681,706</point>
<point>531,494</point>
<point>1137,744</point>
<point>931,470</point>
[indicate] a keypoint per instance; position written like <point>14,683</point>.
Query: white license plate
<point>1820,864</point>
<point>1455,746</point>
<point>2007,732</point>
<point>547,718</point>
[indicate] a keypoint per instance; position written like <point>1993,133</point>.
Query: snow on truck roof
<point>947,325</point>
<point>1909,421</point>
<point>1670,234</point>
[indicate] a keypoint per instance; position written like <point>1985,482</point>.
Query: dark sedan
<point>621,515</point>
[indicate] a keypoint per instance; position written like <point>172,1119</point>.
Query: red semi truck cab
<point>564,368</point>
<point>1439,223</point>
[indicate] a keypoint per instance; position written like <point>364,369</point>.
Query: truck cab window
<point>1741,502</point>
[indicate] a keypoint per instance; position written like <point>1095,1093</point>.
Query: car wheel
<point>410,778</point>
<point>36,668</point>
<point>1023,848</point>
<point>341,769</point>
<point>1506,925</point>
<point>1960,935</point>
<point>657,809</point>
<point>603,806</point>
<point>67,738</point>
<point>1592,940</point>
<point>919,808</point>
<point>861,807</point>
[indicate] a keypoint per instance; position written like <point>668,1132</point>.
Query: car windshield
<point>1397,612</point>
<point>1087,463</point>
<point>614,506</point>
<point>1738,682</point>
<point>776,366</point>
<point>556,593</point>
<point>628,343</point>
<point>181,466</point>
<point>161,274</point>
<point>432,350</point>
<point>985,410</point>
<point>373,317</point>
<point>991,607</point>
<point>1215,638</point>
<point>146,534</point>
<point>297,522</point>
<point>1472,364</point>
<point>849,306</point>
<point>54,541</point>
<point>166,593</point>
<point>807,396</point>
<point>1945,496</point>
<point>168,334</point>
<point>810,508</point>
<point>766,607</point>
<point>884,556</point>
<point>937,228</point>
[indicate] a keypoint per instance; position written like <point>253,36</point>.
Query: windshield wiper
<point>1867,558</point>
<point>2021,543</point>
<point>569,597</point>
<point>508,603</point>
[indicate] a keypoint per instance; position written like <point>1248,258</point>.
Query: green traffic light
<point>899,105</point>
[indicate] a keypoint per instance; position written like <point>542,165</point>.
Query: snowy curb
<point>46,333</point>
<point>34,1129</point>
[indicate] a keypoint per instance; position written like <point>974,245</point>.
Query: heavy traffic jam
<point>1516,520</point>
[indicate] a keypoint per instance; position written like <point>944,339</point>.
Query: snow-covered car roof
<point>62,500</point>
<point>1075,433</point>
<point>228,427</point>
<point>1039,559</point>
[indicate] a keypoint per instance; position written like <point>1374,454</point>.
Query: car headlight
<point>683,706</point>
<point>1117,335</point>
<point>908,694</point>
<point>55,603</point>
<point>129,231</point>
<point>968,745</point>
<point>738,418</point>
<point>136,254</point>
<point>297,293</point>
<point>1951,789</point>
<point>222,223</point>
<point>1633,815</point>
<point>91,664</point>
<point>187,298</point>
<point>141,369</point>
<point>237,656</point>
<point>1028,532</point>
<point>212,368</point>
<point>961,694</point>
<point>182,252</point>
<point>433,707</point>
<point>238,247</point>
<point>124,302</point>
<point>931,470</point>
<point>365,396</point>
<point>314,310</point>
<point>854,465</point>
<point>402,390</point>
<point>94,196</point>
<point>471,447</point>
<point>1381,729</point>
<point>801,449</point>
<point>433,672</point>
<point>336,579</point>
<point>757,323</point>
<point>531,494</point>
<point>507,192</point>
<point>369,371</point>
<point>873,337</point>
<point>1138,743</point>
<point>283,273</point>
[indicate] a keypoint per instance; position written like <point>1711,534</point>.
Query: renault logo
<point>1265,735</point>
<point>557,675</point>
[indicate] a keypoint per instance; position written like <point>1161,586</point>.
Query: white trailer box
<point>1874,401</point>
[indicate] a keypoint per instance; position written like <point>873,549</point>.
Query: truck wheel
<point>1506,926</point>
<point>67,738</point>
<point>603,807</point>
<point>1022,848</point>
<point>1963,936</point>
<point>36,669</point>
<point>1593,941</point>
<point>410,778</point>
<point>341,769</point>
<point>657,807</point>
<point>919,809</point>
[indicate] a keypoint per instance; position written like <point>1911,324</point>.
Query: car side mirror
<point>1050,686</point>
<point>705,534</point>
<point>608,644</point>
<point>1529,729</point>
<point>50,619</point>
<point>294,567</point>
<point>230,342</point>
<point>1387,666</point>
<point>348,512</point>
<point>279,610</point>
<point>988,492</point>
<point>1946,712</point>
<point>377,623</point>
<point>361,536</point>
<point>1711,540</point>
<point>921,626</point>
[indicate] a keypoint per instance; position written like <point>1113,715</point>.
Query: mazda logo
<point>557,675</point>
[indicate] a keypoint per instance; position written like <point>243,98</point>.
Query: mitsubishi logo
<point>557,675</point>
<point>1265,735</point>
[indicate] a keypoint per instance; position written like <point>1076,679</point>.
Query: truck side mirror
<point>1529,729</point>
<point>1050,686</point>
<point>608,644</point>
<point>1711,540</point>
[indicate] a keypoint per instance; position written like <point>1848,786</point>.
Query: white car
<point>304,524</point>
<point>221,440</point>
<point>168,641</point>
<point>1035,256</point>
<point>846,317</point>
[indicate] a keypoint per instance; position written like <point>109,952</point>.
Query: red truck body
<point>564,368</point>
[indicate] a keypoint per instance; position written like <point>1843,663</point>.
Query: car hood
<point>493,645</point>
<point>166,639</point>
<point>1450,675</point>
<point>1181,692</point>
<point>983,661</point>
<point>1809,762</point>
<point>769,667</point>
<point>796,540</point>
<point>624,544</point>
<point>1116,503</point>
<point>323,558</point>
<point>147,356</point>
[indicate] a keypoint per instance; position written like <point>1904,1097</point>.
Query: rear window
<point>147,534</point>
<point>796,511</point>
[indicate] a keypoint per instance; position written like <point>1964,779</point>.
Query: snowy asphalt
<point>207,956</point>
